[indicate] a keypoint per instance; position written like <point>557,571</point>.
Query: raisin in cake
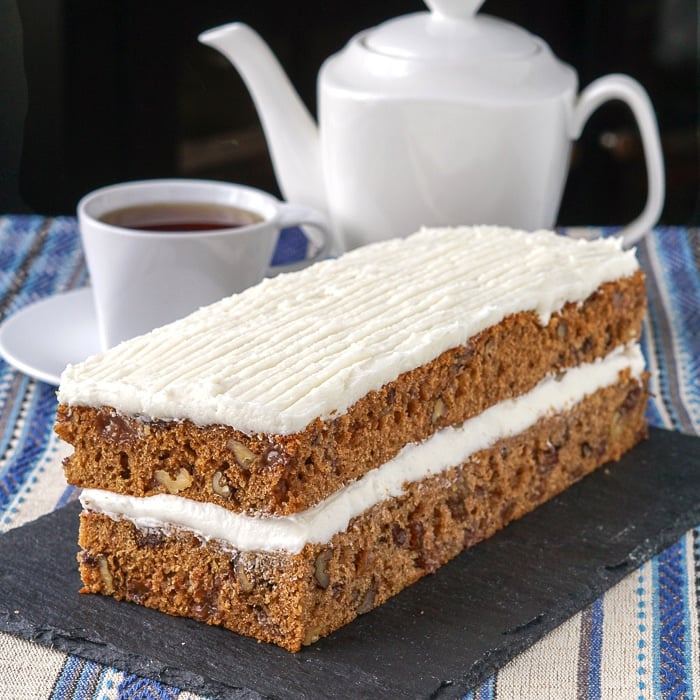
<point>290,457</point>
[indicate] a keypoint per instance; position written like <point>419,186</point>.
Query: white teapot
<point>434,118</point>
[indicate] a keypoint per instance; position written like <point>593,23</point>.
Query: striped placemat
<point>639,640</point>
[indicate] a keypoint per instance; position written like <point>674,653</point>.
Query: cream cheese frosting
<point>449,447</point>
<point>310,344</point>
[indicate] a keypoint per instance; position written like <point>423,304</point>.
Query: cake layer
<point>310,345</point>
<point>450,446</point>
<point>284,474</point>
<point>291,599</point>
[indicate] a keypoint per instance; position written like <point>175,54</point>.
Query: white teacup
<point>145,271</point>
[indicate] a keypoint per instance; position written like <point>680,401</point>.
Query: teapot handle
<point>622,87</point>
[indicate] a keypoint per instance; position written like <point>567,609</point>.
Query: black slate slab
<point>437,639</point>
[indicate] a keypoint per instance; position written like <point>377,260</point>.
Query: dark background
<point>98,91</point>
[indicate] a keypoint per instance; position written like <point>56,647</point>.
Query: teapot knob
<point>454,9</point>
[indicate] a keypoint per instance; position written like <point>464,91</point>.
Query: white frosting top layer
<point>310,344</point>
<point>449,447</point>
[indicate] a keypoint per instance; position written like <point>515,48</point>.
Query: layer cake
<point>290,457</point>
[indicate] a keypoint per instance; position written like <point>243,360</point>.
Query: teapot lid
<point>453,32</point>
<point>449,53</point>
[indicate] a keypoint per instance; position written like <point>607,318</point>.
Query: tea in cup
<point>157,250</point>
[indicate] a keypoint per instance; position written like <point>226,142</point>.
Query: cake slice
<point>290,457</point>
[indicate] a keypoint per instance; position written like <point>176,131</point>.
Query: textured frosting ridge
<point>310,344</point>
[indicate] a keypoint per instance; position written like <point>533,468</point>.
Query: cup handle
<point>316,228</point>
<point>622,87</point>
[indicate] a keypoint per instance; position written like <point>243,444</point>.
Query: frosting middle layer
<point>449,447</point>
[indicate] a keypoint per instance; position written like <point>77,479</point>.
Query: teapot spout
<point>291,133</point>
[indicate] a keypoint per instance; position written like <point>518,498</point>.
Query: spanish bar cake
<point>288,458</point>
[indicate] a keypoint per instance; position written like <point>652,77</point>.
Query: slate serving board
<point>437,639</point>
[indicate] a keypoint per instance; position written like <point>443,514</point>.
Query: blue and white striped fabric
<point>640,640</point>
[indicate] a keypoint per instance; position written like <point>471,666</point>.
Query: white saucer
<point>42,338</point>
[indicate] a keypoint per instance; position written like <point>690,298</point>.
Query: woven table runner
<point>640,640</point>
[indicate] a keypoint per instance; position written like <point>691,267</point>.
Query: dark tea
<point>180,217</point>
